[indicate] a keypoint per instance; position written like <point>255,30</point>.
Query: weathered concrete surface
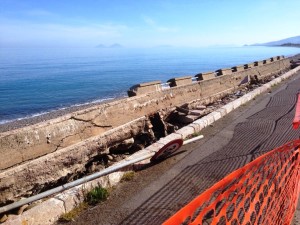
<point>49,211</point>
<point>64,146</point>
<point>144,88</point>
<point>37,140</point>
<point>180,81</point>
<point>31,177</point>
<point>226,71</point>
<point>206,76</point>
<point>71,197</point>
<point>229,144</point>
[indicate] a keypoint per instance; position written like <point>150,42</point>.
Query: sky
<point>146,23</point>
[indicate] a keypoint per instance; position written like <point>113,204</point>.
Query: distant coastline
<point>290,45</point>
<point>287,42</point>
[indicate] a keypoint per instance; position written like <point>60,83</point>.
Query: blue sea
<point>36,81</point>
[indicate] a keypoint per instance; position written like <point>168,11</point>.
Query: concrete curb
<point>48,212</point>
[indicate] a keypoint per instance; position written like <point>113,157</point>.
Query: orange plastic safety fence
<point>296,121</point>
<point>264,191</point>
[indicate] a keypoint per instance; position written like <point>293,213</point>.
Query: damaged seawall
<point>44,154</point>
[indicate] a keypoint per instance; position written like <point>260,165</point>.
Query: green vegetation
<point>70,216</point>
<point>128,176</point>
<point>96,195</point>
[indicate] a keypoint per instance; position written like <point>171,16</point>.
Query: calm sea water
<point>35,81</point>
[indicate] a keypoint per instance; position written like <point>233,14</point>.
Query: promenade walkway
<point>232,142</point>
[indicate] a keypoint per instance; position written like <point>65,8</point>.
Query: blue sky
<point>141,23</point>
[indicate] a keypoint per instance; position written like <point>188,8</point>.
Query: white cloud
<point>26,33</point>
<point>157,27</point>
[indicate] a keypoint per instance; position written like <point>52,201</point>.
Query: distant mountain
<point>116,45</point>
<point>284,42</point>
<point>101,46</point>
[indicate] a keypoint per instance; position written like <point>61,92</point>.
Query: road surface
<point>157,192</point>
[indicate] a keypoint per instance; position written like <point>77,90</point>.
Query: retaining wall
<point>30,142</point>
<point>40,155</point>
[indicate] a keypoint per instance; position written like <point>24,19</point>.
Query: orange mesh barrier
<point>265,191</point>
<point>296,121</point>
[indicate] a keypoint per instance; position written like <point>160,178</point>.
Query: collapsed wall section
<point>62,166</point>
<point>55,151</point>
<point>34,141</point>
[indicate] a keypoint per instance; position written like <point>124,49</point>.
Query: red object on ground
<point>296,121</point>
<point>167,150</point>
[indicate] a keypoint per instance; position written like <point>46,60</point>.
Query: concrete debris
<point>200,107</point>
<point>182,110</point>
<point>3,218</point>
<point>188,113</point>
<point>22,208</point>
<point>110,157</point>
<point>101,151</point>
<point>123,147</point>
<point>196,112</point>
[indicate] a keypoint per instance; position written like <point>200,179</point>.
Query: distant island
<point>287,42</point>
<point>116,45</point>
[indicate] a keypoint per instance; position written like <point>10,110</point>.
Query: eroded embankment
<point>60,150</point>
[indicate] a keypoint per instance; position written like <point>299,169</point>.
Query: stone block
<point>251,65</point>
<point>174,136</point>
<point>179,81</point>
<point>246,66</point>
<point>269,60</point>
<point>228,107</point>
<point>222,111</point>
<point>261,63</point>
<point>199,76</point>
<point>207,75</point>
<point>47,214</point>
<point>236,103</point>
<point>202,123</point>
<point>196,112</point>
<point>209,118</point>
<point>238,68</point>
<point>186,119</point>
<point>226,71</point>
<point>114,178</point>
<point>217,115</point>
<point>196,127</point>
<point>185,131</point>
<point>144,88</point>
<point>71,198</point>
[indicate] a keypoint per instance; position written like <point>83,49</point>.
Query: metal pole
<point>193,139</point>
<point>101,173</point>
<point>64,187</point>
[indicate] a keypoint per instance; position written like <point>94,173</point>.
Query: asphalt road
<point>157,192</point>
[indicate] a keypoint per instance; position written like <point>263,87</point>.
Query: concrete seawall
<point>48,152</point>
